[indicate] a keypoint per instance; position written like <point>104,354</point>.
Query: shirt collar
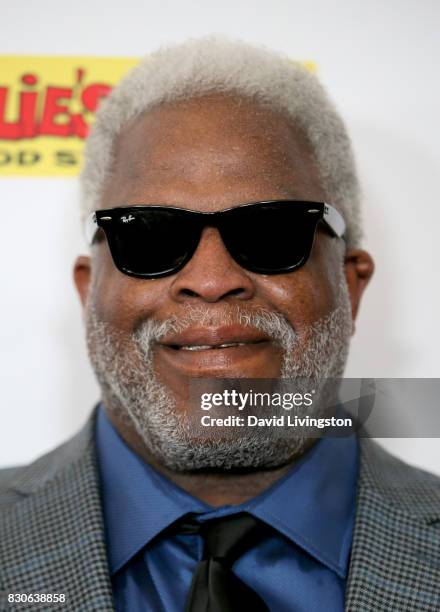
<point>312,505</point>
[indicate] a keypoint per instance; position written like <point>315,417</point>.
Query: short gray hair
<point>213,64</point>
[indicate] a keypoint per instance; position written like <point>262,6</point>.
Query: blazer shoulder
<point>8,476</point>
<point>413,489</point>
<point>19,481</point>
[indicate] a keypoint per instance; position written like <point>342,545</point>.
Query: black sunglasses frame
<point>314,212</point>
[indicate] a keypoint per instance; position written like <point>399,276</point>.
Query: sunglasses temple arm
<point>91,227</point>
<point>334,220</point>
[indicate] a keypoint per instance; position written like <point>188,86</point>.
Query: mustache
<point>273,324</point>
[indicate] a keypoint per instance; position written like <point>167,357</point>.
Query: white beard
<point>131,389</point>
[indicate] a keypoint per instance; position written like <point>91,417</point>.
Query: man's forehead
<point>224,121</point>
<point>214,145</point>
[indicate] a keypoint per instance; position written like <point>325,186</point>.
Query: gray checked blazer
<point>52,533</point>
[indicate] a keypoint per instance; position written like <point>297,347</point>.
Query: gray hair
<point>213,64</point>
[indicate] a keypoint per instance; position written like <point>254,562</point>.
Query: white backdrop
<point>379,61</point>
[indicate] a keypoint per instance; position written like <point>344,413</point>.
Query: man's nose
<point>211,274</point>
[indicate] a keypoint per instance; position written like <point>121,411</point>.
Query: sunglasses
<point>270,237</point>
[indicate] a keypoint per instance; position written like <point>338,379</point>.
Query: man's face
<point>209,154</point>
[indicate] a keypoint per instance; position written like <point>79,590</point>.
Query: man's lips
<point>205,339</point>
<point>229,351</point>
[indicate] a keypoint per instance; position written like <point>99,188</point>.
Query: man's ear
<point>359,268</point>
<point>82,275</point>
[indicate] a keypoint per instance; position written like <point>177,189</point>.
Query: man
<point>222,210</point>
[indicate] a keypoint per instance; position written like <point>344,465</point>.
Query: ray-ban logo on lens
<point>127,219</point>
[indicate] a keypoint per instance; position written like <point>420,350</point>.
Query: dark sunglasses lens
<point>271,238</point>
<point>152,242</point>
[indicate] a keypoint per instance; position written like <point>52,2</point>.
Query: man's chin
<point>227,456</point>
<point>182,445</point>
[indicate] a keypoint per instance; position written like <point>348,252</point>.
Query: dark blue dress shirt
<point>301,567</point>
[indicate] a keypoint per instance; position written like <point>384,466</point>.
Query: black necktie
<point>214,587</point>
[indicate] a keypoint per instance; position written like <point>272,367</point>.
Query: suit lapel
<point>52,538</point>
<point>395,559</point>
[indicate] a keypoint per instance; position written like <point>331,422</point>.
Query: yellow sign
<point>47,105</point>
